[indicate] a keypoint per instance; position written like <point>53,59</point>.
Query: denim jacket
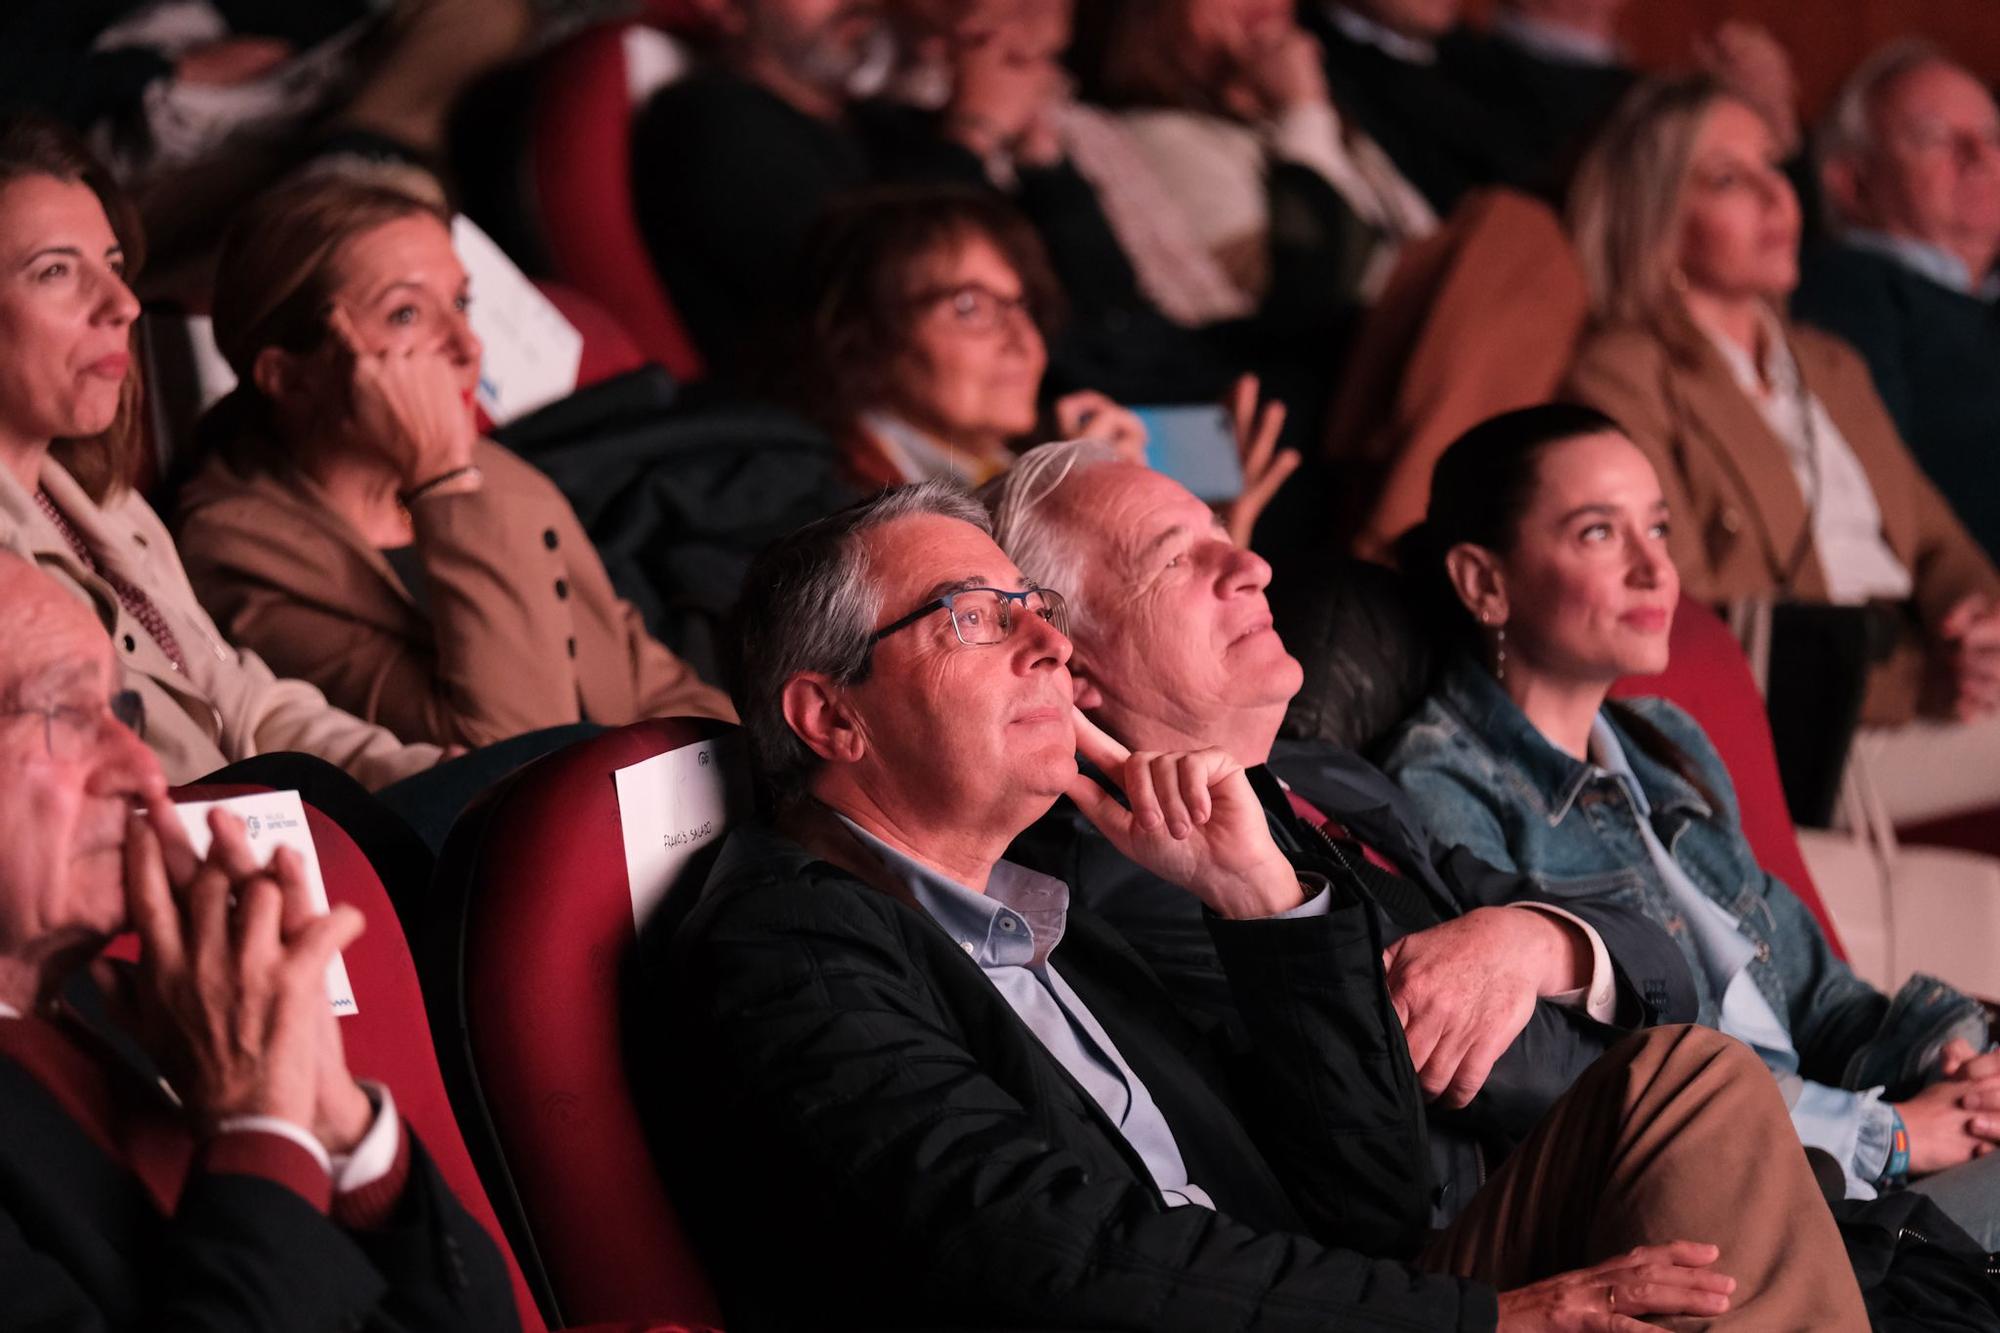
<point>1485,777</point>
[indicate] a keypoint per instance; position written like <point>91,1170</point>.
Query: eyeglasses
<point>69,731</point>
<point>982,617</point>
<point>977,308</point>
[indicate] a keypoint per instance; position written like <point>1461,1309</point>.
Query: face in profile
<point>69,774</point>
<point>972,368</point>
<point>1588,591</point>
<point>1739,234</point>
<point>1934,170</point>
<point>406,293</point>
<point>65,313</point>
<point>1173,619</point>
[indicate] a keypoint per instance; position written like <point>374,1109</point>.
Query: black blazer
<point>83,1247</point>
<point>861,1132</point>
<point>1164,923</point>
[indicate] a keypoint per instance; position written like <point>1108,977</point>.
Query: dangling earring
<point>1499,648</point>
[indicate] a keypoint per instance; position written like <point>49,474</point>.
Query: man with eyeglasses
<point>902,1082</point>
<point>1909,160</point>
<point>181,1144</point>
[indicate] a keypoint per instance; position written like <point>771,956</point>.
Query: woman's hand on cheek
<point>407,404</point>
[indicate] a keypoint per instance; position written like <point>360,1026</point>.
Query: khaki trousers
<point>1677,1133</point>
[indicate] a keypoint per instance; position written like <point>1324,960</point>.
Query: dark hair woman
<point>922,343</point>
<point>1546,545</point>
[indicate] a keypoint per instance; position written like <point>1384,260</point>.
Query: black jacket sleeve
<point>860,1089</point>
<point>246,1255</point>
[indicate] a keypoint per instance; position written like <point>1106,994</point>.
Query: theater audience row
<point>921,1115</point>
<point>1045,948</point>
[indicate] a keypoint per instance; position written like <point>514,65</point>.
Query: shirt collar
<point>1606,752</point>
<point>1017,922</point>
<point>1778,369</point>
<point>1556,42</point>
<point>1360,28</point>
<point>1931,262</point>
<point>920,456</point>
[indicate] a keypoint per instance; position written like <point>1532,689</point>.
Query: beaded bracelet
<point>1896,1171</point>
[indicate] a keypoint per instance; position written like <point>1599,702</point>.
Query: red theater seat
<point>535,922</point>
<point>388,1037</point>
<point>1709,677</point>
<point>580,174</point>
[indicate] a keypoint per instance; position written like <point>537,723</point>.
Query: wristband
<point>423,488</point>
<point>1896,1171</point>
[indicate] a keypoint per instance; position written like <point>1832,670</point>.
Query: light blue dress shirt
<point>1855,1127</point>
<point>1010,931</point>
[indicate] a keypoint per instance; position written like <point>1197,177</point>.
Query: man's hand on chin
<point>1466,988</point>
<point>1193,821</point>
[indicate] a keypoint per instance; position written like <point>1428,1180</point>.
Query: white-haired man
<point>909,1074</point>
<point>1504,994</point>
<point>182,1147</point>
<point>1910,173</point>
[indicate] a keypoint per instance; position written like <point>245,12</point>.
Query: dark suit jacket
<point>84,1249</point>
<point>1440,130</point>
<point>1164,923</point>
<point>845,1099</point>
<point>728,181</point>
<point>1931,351</point>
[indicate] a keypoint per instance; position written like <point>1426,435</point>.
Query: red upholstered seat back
<point>535,877</point>
<point>608,350</point>
<point>580,158</point>
<point>1709,677</point>
<point>388,1037</point>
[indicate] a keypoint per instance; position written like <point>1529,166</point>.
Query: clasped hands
<point>1957,1118</point>
<point>232,1000</point>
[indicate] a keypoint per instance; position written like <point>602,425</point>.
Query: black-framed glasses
<point>985,616</point>
<point>69,731</point>
<point>977,308</point>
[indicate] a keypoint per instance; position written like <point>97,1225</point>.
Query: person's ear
<point>1840,180</point>
<point>819,713</point>
<point>278,374</point>
<point>1477,578</point>
<point>1083,686</point>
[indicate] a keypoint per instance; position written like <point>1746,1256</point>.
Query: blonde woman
<point>1784,475</point>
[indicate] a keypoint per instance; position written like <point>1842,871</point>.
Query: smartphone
<point>1195,445</point>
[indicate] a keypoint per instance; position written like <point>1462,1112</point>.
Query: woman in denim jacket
<point>1545,549</point>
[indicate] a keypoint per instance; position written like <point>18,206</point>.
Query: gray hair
<point>1028,529</point>
<point>809,604</point>
<point>1847,132</point>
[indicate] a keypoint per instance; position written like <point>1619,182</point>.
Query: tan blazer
<point>1478,318</point>
<point>523,630</point>
<point>1740,524</point>
<point>228,704</point>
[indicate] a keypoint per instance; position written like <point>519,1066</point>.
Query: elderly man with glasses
<point>1910,173</point>
<point>181,1145</point>
<point>936,1093</point>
